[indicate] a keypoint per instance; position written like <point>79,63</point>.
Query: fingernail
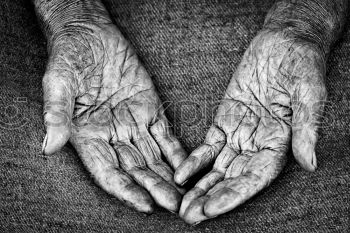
<point>148,213</point>
<point>173,212</point>
<point>44,145</point>
<point>196,223</point>
<point>314,160</point>
<point>183,183</point>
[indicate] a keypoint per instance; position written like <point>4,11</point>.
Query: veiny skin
<point>99,96</point>
<point>274,101</point>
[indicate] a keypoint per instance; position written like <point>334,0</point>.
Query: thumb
<point>307,113</point>
<point>59,99</point>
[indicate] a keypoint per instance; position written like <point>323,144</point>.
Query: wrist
<point>318,22</point>
<point>58,16</point>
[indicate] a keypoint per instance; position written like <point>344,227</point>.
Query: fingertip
<point>307,161</point>
<point>211,208</point>
<point>311,169</point>
<point>55,139</point>
<point>311,165</point>
<point>179,177</point>
<point>191,221</point>
<point>194,213</point>
<point>134,196</point>
<point>175,201</point>
<point>193,217</point>
<point>221,202</point>
<point>143,203</point>
<point>146,207</point>
<point>303,145</point>
<point>188,198</point>
<point>166,196</point>
<point>305,156</point>
<point>184,171</point>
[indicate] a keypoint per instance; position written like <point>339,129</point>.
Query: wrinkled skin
<point>98,94</point>
<point>274,100</point>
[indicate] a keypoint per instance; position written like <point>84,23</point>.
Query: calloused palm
<point>274,99</point>
<point>98,94</point>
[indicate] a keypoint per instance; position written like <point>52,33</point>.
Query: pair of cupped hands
<point>98,96</point>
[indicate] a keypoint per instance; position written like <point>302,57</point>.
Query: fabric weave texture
<point>191,49</point>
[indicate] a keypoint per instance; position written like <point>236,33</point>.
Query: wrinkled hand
<point>275,99</point>
<point>98,94</point>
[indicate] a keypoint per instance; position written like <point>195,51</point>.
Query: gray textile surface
<point>191,49</point>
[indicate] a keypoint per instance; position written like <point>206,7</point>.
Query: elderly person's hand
<point>275,99</point>
<point>99,97</point>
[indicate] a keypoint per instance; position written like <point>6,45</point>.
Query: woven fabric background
<point>191,49</point>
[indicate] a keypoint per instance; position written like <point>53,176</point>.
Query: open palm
<point>99,96</point>
<point>273,100</point>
